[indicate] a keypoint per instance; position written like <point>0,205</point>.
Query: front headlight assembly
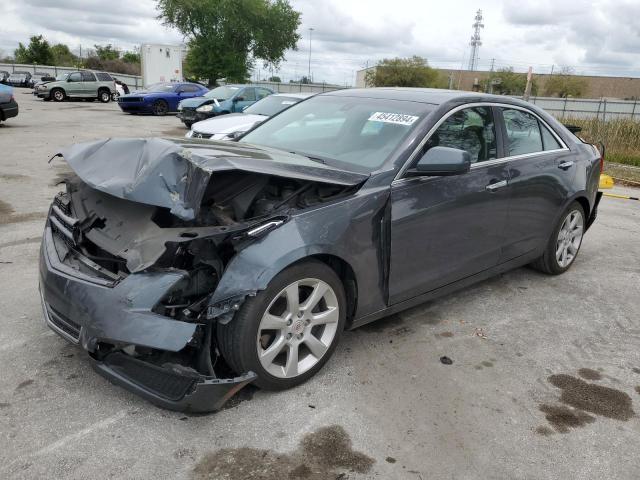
<point>205,109</point>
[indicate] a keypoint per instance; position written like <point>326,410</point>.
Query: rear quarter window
<point>104,77</point>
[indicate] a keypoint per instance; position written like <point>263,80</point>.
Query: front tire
<point>564,244</point>
<point>160,108</point>
<point>287,332</point>
<point>57,95</point>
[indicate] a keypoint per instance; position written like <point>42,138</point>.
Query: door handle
<point>492,187</point>
<point>565,165</point>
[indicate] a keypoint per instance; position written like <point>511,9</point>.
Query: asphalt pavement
<point>544,381</point>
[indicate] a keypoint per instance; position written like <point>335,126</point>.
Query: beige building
<point>597,87</point>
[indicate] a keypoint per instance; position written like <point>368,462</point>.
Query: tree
<point>62,56</point>
<point>565,84</point>
<point>404,72</point>
<point>275,79</point>
<point>507,82</point>
<point>107,52</point>
<point>131,57</point>
<point>227,37</point>
<point>38,51</point>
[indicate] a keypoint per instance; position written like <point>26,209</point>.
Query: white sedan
<point>226,127</point>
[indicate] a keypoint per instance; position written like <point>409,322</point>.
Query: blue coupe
<point>160,98</point>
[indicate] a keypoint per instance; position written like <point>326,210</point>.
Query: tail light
<point>602,151</point>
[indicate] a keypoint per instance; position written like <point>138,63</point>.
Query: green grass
<point>620,137</point>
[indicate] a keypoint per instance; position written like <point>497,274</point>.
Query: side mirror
<point>238,99</point>
<point>68,79</point>
<point>442,161</point>
<point>236,135</point>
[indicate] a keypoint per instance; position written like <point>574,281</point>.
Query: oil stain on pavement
<point>322,455</point>
<point>7,215</point>
<point>583,402</point>
<point>589,374</point>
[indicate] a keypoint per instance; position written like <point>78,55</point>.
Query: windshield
<point>161,87</point>
<point>271,105</point>
<point>62,77</point>
<point>222,93</point>
<point>351,132</point>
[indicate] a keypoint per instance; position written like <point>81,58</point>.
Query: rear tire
<point>57,95</point>
<point>563,246</point>
<point>160,108</point>
<point>307,325</point>
<point>104,95</point>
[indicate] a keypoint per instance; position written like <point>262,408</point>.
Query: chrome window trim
<point>497,161</point>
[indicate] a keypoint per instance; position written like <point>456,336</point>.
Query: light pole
<point>309,74</point>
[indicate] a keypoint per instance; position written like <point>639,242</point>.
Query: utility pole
<point>475,41</point>
<point>490,86</point>
<point>527,89</point>
<point>309,75</point>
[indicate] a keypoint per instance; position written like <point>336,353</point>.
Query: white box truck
<point>161,63</point>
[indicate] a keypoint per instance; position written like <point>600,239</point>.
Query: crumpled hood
<point>195,102</point>
<point>174,173</point>
<point>232,122</point>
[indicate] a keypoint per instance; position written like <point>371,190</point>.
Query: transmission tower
<point>475,41</point>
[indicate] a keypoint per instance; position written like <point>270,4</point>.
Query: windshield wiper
<point>310,157</point>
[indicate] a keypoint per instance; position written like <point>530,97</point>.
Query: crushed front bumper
<point>92,312</point>
<point>167,388</point>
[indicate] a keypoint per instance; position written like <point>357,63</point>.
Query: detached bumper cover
<point>167,388</point>
<point>594,211</point>
<point>90,311</point>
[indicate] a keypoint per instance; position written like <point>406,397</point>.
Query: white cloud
<point>601,36</point>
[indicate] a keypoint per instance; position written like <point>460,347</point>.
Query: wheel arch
<point>226,292</point>
<point>582,198</point>
<point>347,276</point>
<point>584,203</point>
<point>64,92</point>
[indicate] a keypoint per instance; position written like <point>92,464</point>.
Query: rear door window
<point>549,142</point>
<point>88,77</point>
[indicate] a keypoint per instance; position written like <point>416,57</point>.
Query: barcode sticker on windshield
<point>397,118</point>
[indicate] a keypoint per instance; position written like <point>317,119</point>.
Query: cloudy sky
<point>599,37</point>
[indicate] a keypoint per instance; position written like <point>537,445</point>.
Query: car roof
<point>433,96</point>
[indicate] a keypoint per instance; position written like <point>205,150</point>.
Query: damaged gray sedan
<point>188,269</point>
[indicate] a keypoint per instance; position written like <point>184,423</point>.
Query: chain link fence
<point>600,109</point>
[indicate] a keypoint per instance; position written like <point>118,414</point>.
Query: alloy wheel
<point>297,328</point>
<point>569,238</point>
<point>160,108</point>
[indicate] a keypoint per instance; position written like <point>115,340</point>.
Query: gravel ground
<point>545,380</point>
